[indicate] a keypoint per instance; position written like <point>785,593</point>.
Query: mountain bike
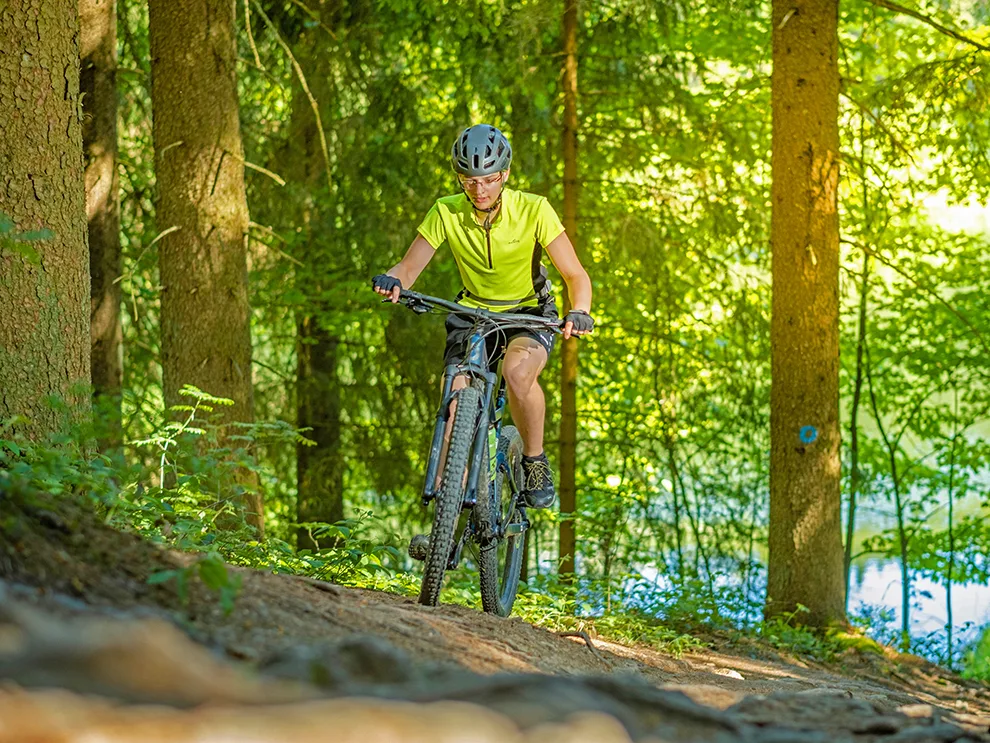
<point>478,495</point>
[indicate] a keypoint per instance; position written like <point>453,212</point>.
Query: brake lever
<point>420,308</point>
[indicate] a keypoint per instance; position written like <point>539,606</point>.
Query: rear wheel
<point>497,513</point>
<point>450,498</point>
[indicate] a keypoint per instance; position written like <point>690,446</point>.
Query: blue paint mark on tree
<point>808,434</point>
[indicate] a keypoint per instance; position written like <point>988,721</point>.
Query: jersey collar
<point>507,199</point>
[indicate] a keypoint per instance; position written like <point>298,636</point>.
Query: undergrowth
<point>184,487</point>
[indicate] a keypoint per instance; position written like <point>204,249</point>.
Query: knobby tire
<point>450,498</point>
<point>500,560</point>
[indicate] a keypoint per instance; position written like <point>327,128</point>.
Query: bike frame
<point>489,425</point>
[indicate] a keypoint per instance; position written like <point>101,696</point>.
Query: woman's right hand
<point>387,286</point>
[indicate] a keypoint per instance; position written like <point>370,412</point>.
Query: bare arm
<point>562,253</point>
<point>410,267</point>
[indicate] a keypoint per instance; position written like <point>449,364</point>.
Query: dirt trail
<point>57,569</point>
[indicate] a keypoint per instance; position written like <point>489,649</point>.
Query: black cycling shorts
<point>460,329</point>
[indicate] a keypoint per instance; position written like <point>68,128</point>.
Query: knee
<point>519,379</point>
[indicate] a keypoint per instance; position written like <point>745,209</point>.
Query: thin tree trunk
<point>98,86</point>
<point>902,535</point>
<point>952,543</point>
<point>670,424</point>
<point>702,550</point>
<point>320,472</point>
<point>319,469</point>
<point>44,278</point>
<point>569,348</point>
<point>854,422</point>
<point>751,549</point>
<point>199,165</point>
<point>680,496</point>
<point>858,385</point>
<point>806,554</point>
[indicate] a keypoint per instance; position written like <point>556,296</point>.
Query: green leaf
<point>35,235</point>
<point>213,572</point>
<point>161,576</point>
<point>24,250</point>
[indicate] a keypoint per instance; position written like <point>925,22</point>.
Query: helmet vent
<point>480,150</point>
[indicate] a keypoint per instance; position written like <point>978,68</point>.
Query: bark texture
<point>98,85</point>
<point>569,348</point>
<point>199,166</point>
<point>806,558</point>
<point>44,317</point>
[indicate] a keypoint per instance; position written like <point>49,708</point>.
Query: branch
<point>305,86</point>
<point>250,35</point>
<point>587,641</point>
<point>880,125</point>
<point>930,292</point>
<point>930,21</point>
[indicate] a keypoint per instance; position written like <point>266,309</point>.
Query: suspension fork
<point>443,415</point>
<point>480,447</point>
<point>473,366</point>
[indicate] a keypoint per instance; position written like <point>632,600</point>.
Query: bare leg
<point>524,360</point>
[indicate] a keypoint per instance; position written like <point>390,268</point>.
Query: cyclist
<point>497,236</point>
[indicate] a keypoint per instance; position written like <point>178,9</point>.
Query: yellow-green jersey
<point>500,266</point>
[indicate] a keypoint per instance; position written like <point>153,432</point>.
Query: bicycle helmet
<point>480,150</point>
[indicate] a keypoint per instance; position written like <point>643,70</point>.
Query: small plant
<point>557,607</point>
<point>214,574</point>
<point>204,472</point>
<point>786,632</point>
<point>354,558</point>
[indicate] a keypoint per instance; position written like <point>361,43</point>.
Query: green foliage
<point>67,465</point>
<point>674,229</point>
<point>214,574</point>
<point>357,558</point>
<point>976,660</point>
<point>786,632</point>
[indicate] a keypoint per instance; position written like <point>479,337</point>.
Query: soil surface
<point>86,644</point>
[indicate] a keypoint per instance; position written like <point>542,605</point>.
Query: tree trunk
<point>806,556</point>
<point>951,561</point>
<point>199,166</point>
<point>98,86</point>
<point>569,348</point>
<point>319,469</point>
<point>44,318</point>
<point>320,472</point>
<point>854,474</point>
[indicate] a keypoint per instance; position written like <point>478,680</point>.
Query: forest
<point>780,424</point>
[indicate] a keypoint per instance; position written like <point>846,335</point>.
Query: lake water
<point>878,582</point>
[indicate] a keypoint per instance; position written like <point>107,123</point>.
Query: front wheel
<point>450,498</point>
<point>502,527</point>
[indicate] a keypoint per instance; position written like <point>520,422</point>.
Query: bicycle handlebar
<point>423,302</point>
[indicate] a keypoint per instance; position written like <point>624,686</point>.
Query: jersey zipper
<point>488,239</point>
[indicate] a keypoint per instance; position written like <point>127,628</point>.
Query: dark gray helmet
<point>480,150</point>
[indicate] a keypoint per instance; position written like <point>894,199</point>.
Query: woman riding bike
<point>497,236</point>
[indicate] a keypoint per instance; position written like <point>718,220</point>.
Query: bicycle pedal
<point>419,545</point>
